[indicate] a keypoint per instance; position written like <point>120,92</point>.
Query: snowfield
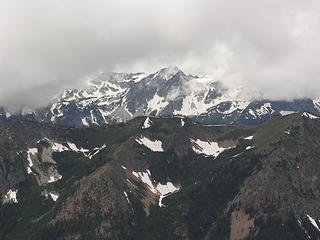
<point>153,145</point>
<point>58,147</point>
<point>163,190</point>
<point>208,148</point>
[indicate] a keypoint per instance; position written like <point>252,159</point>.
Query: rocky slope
<point>161,178</point>
<point>119,97</point>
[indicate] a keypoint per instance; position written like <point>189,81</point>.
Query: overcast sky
<point>272,46</point>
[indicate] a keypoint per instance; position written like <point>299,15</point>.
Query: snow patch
<point>74,148</point>
<point>30,152</point>
<point>58,147</point>
<point>182,122</point>
<point>96,151</point>
<point>93,118</point>
<point>155,146</point>
<point>135,174</point>
<point>285,113</point>
<point>86,152</point>
<point>249,138</point>
<point>316,104</point>
<point>139,77</point>
<point>208,148</point>
<point>163,190</point>
<point>10,197</point>
<point>53,179</point>
<point>192,106</point>
<point>147,123</point>
<point>84,122</point>
<point>54,196</point>
<point>263,110</point>
<point>145,178</point>
<point>313,222</point>
<point>308,115</point>
<point>250,147</point>
<point>156,103</point>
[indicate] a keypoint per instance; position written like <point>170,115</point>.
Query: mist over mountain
<point>267,46</point>
<point>118,97</point>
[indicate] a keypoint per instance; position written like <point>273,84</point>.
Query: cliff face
<point>155,178</point>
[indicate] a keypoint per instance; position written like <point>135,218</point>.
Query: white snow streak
<point>313,222</point>
<point>249,147</point>
<point>126,195</point>
<point>30,152</point>
<point>182,122</point>
<point>249,138</point>
<point>147,123</point>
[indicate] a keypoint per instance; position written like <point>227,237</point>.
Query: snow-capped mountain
<point>118,97</point>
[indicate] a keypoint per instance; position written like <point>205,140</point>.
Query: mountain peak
<point>170,69</point>
<point>167,72</point>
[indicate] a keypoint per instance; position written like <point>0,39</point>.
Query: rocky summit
<point>160,178</point>
<point>119,97</point>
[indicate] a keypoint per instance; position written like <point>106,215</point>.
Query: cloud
<point>269,45</point>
